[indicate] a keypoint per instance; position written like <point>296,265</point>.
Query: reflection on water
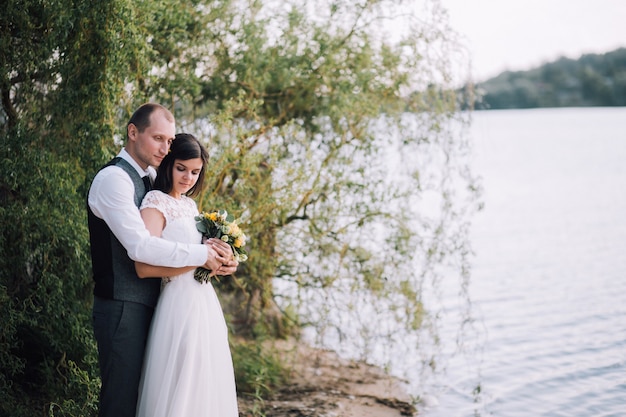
<point>548,284</point>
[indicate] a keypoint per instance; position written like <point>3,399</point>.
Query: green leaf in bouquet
<point>202,228</point>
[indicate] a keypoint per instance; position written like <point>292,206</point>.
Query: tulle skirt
<point>188,369</point>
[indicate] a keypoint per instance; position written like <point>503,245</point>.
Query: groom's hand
<point>228,268</point>
<point>222,248</point>
<point>228,265</point>
<point>214,260</point>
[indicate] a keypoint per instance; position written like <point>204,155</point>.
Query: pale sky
<point>518,35</point>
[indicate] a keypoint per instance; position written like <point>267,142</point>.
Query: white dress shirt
<point>112,198</point>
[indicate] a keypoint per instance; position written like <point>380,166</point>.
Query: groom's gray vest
<point>113,271</point>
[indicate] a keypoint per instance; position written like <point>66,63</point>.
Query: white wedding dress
<point>188,368</point>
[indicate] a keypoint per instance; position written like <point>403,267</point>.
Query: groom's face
<point>151,145</point>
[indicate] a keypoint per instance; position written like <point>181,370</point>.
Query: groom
<point>124,303</point>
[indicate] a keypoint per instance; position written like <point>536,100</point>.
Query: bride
<point>188,369</point>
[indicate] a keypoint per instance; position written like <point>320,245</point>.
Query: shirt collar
<point>142,172</point>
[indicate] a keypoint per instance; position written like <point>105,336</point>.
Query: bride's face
<point>185,174</point>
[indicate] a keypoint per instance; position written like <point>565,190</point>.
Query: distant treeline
<point>591,80</point>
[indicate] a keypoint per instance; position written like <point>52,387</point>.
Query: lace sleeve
<point>160,201</point>
<point>154,199</point>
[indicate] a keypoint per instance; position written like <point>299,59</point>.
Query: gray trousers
<point>121,331</point>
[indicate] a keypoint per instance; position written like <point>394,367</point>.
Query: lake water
<point>548,286</point>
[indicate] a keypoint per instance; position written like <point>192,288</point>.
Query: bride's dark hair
<point>185,146</point>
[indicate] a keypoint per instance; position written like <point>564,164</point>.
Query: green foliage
<point>60,87</point>
<point>258,370</point>
<point>591,80</point>
<point>44,279</point>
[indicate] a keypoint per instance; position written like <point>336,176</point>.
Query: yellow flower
<point>213,216</point>
<point>234,230</point>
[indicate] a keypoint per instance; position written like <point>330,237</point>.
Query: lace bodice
<point>180,225</point>
<point>179,214</point>
<point>171,207</point>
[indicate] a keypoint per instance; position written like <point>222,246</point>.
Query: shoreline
<point>324,385</point>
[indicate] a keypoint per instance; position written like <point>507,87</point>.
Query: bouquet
<point>220,225</point>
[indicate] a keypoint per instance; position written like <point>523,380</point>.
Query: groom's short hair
<point>141,116</point>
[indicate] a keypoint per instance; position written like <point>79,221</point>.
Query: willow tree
<point>339,144</point>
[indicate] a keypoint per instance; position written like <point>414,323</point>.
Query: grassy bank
<point>299,380</point>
